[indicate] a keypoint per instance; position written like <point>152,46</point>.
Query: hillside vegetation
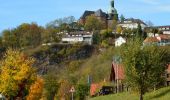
<point>161,94</point>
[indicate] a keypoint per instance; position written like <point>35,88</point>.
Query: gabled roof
<point>100,13</point>
<point>87,13</point>
<point>118,71</point>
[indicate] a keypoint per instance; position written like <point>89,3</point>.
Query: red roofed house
<point>160,40</point>
<point>168,75</point>
<point>117,75</point>
<point>117,72</point>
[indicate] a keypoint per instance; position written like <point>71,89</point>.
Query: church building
<point>106,18</point>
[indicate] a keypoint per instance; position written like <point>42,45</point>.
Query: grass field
<point>161,94</point>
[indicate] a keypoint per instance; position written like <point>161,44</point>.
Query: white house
<point>78,37</point>
<point>164,29</point>
<point>119,41</point>
<point>132,23</point>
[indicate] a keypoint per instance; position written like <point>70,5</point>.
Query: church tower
<point>113,15</point>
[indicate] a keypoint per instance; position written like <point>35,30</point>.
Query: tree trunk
<point>141,96</point>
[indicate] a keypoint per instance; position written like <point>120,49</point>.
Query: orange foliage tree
<point>36,89</point>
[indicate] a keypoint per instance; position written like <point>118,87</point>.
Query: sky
<point>16,12</point>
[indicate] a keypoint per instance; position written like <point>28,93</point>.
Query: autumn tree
<point>36,90</point>
<point>9,39</point>
<point>92,24</point>
<point>144,66</point>
<point>119,29</point>
<point>16,74</point>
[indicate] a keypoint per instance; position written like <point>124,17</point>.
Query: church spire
<point>112,4</point>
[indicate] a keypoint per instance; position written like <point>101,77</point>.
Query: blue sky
<point>15,12</point>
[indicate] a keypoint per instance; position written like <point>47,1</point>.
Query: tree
<point>16,75</point>
<point>28,35</point>
<point>139,31</point>
<point>9,39</point>
<point>92,24</point>
<point>51,86</point>
<point>36,90</point>
<point>1,45</point>
<point>144,66</point>
<point>122,18</point>
<point>96,38</point>
<point>59,23</point>
<point>119,29</point>
<point>106,33</point>
<point>82,91</point>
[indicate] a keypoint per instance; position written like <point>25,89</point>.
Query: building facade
<point>106,18</point>
<point>164,29</point>
<point>119,41</point>
<point>132,23</point>
<point>78,37</point>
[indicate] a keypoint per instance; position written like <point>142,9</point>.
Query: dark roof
<point>100,13</point>
<point>167,26</point>
<point>87,13</point>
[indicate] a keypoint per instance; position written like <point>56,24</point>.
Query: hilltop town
<point>101,53</point>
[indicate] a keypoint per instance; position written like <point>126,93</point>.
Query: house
<point>151,41</point>
<point>132,23</point>
<point>78,37</point>
<point>160,40</point>
<point>117,74</point>
<point>106,18</point>
<point>168,75</point>
<point>164,29</point>
<point>119,41</point>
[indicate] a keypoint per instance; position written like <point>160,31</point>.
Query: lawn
<point>161,94</point>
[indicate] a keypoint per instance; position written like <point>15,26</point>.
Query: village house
<point>78,37</point>
<point>132,23</point>
<point>164,29</point>
<point>106,18</point>
<point>117,74</point>
<point>119,41</point>
<point>160,40</point>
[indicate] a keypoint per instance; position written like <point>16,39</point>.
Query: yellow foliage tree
<point>36,90</point>
<point>16,74</point>
<point>119,29</point>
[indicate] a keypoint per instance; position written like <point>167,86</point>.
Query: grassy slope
<point>161,94</point>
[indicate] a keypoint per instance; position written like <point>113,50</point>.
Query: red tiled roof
<point>151,39</point>
<point>94,88</point>
<point>119,71</point>
<point>164,37</point>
